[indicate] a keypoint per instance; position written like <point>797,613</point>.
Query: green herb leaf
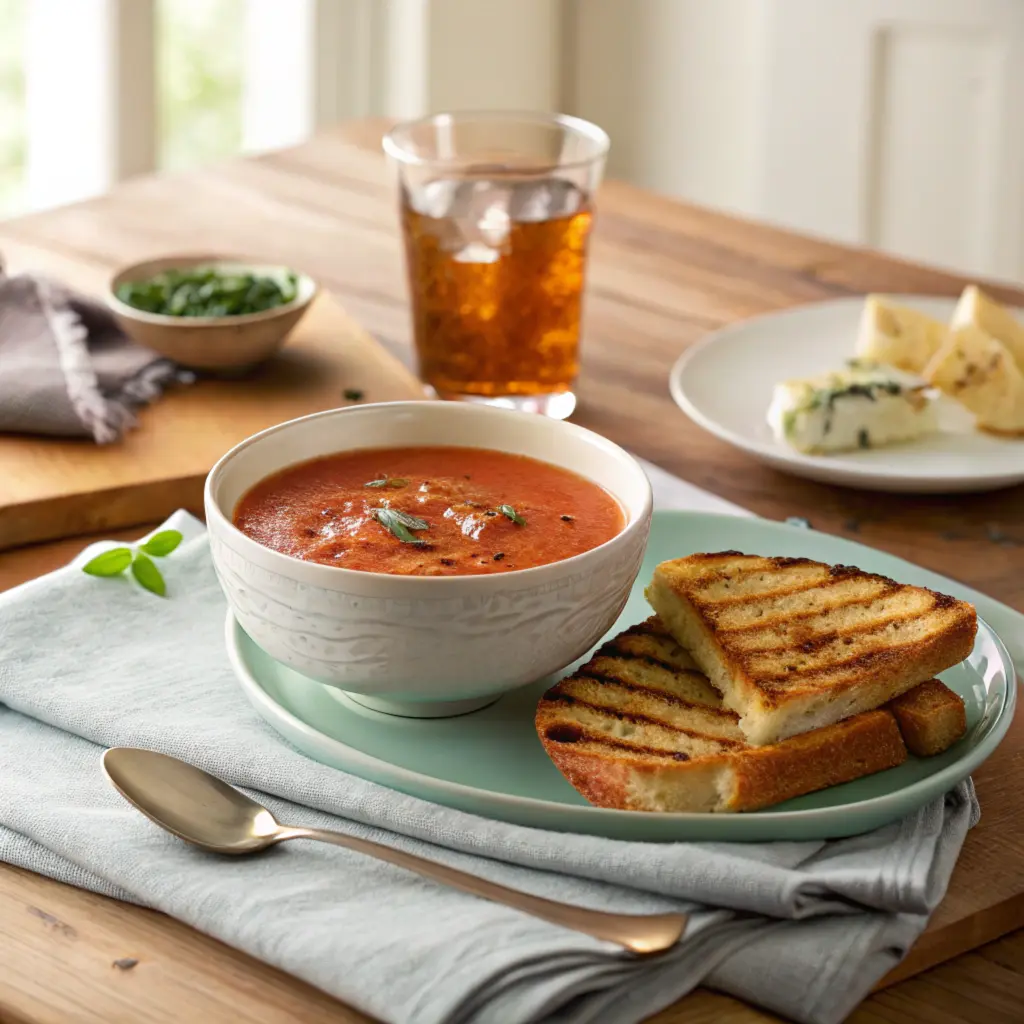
<point>400,524</point>
<point>162,543</point>
<point>209,291</point>
<point>411,521</point>
<point>384,481</point>
<point>110,563</point>
<point>789,422</point>
<point>145,571</point>
<point>352,395</point>
<point>511,513</point>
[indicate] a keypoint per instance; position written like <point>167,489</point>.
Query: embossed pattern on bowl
<point>411,638</point>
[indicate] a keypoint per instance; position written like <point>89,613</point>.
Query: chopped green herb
<point>499,555</point>
<point>863,438</point>
<point>567,519</point>
<point>510,513</point>
<point>352,395</point>
<point>818,397</point>
<point>387,481</point>
<point>406,519</point>
<point>490,512</point>
<point>400,524</point>
<point>209,291</point>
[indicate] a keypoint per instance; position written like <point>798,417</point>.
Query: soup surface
<point>441,511</point>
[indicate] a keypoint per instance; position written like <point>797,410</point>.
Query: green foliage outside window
<point>199,69</point>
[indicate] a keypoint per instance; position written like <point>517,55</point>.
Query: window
<point>200,55</point>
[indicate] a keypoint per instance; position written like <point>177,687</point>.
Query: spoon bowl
<point>189,803</point>
<point>205,811</point>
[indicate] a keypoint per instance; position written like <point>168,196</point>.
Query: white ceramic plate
<point>491,763</point>
<point>724,383</point>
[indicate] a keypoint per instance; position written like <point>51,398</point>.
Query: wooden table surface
<point>662,275</point>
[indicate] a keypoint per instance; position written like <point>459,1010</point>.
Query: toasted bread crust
<point>931,718</point>
<point>747,780</point>
<point>794,644</point>
<point>606,779</point>
<point>630,730</point>
<point>867,743</point>
<point>997,432</point>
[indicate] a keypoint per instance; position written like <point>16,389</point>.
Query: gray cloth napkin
<point>801,928</point>
<point>66,368</point>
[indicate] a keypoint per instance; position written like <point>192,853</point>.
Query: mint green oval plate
<point>492,764</point>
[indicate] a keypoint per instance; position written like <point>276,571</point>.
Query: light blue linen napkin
<point>804,929</point>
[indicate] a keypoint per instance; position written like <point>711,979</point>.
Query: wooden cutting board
<point>55,488</point>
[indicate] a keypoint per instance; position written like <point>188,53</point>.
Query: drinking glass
<point>496,211</point>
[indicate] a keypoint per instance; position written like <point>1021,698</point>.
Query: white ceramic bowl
<point>425,646</point>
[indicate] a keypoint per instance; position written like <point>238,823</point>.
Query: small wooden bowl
<point>218,343</point>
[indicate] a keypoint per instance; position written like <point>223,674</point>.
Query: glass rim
<point>393,147</point>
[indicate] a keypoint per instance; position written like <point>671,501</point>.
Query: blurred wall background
<point>891,123</point>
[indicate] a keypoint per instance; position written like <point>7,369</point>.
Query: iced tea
<point>496,268</point>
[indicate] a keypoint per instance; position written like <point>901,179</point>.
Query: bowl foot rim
<point>414,708</point>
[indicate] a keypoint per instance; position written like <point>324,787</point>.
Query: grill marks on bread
<point>794,644</point>
<point>642,692</point>
<point>639,727</point>
<point>791,621</point>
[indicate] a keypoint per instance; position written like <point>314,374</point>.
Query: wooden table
<point>662,275</point>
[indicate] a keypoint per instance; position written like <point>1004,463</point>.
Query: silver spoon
<point>201,809</point>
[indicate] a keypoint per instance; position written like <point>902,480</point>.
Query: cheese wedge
<point>980,373</point>
<point>898,336</point>
<point>976,309</point>
<point>860,407</point>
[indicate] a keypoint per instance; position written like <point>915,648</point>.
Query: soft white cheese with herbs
<point>864,406</point>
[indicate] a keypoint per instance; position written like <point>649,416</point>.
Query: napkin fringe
<point>105,420</point>
<point>148,384</point>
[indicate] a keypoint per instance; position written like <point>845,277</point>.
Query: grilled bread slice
<point>640,728</point>
<point>793,645</point>
<point>898,336</point>
<point>931,718</point>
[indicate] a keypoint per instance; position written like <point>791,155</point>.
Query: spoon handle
<point>639,933</point>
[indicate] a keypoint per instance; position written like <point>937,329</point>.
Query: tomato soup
<point>428,511</point>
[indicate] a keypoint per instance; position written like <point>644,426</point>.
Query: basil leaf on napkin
<point>109,563</point>
<point>145,571</point>
<point>162,543</point>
